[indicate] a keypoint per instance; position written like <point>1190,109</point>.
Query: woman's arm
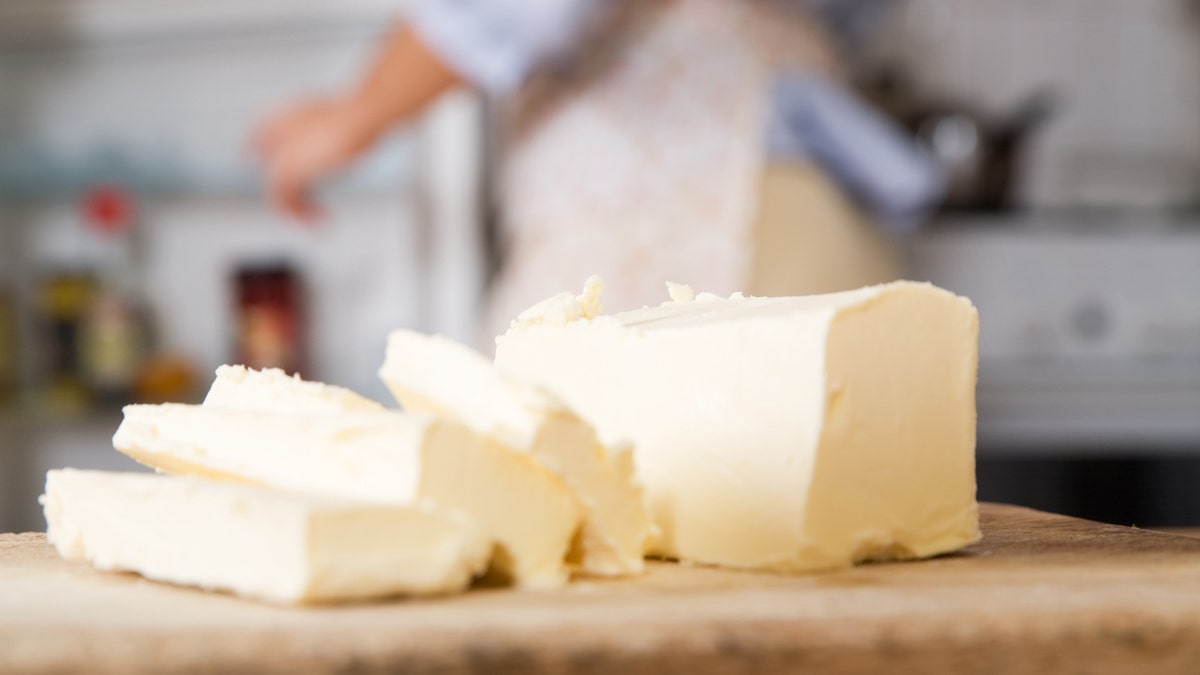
<point>307,141</point>
<point>491,44</point>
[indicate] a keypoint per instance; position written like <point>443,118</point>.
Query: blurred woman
<point>702,141</point>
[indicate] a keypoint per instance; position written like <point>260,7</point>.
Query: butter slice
<point>782,433</point>
<point>260,543</point>
<point>272,389</point>
<point>386,457</point>
<point>432,374</point>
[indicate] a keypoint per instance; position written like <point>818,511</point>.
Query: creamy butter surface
<point>257,542</point>
<point>435,375</point>
<point>780,433</point>
<point>384,456</point>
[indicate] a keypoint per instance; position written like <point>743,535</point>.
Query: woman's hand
<point>306,142</point>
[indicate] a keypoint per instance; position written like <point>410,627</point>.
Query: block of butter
<point>387,456</point>
<point>257,542</point>
<point>272,389</point>
<point>795,433</point>
<point>432,374</point>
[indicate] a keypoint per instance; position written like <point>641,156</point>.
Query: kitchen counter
<point>1041,593</point>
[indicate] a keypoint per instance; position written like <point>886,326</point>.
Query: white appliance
<point>1089,328</point>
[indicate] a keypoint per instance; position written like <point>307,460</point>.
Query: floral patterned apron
<point>641,161</point>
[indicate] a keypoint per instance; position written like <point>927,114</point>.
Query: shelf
<point>45,24</point>
<point>14,422</point>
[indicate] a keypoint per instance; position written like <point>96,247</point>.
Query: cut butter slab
<point>272,389</point>
<point>257,542</point>
<point>780,433</point>
<point>387,457</point>
<point>432,374</point>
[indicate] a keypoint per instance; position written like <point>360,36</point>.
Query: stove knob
<point>1091,321</point>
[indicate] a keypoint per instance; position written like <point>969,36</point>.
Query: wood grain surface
<point>1041,593</point>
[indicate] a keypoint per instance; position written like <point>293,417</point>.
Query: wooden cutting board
<point>1041,593</point>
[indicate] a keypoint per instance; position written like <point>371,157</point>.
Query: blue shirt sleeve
<point>496,43</point>
<point>867,153</point>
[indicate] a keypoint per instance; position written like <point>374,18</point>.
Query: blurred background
<point>137,252</point>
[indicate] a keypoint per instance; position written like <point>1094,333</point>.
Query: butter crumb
<point>680,292</point>
<point>565,307</point>
<point>589,301</point>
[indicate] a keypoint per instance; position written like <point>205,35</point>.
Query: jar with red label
<point>269,317</point>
